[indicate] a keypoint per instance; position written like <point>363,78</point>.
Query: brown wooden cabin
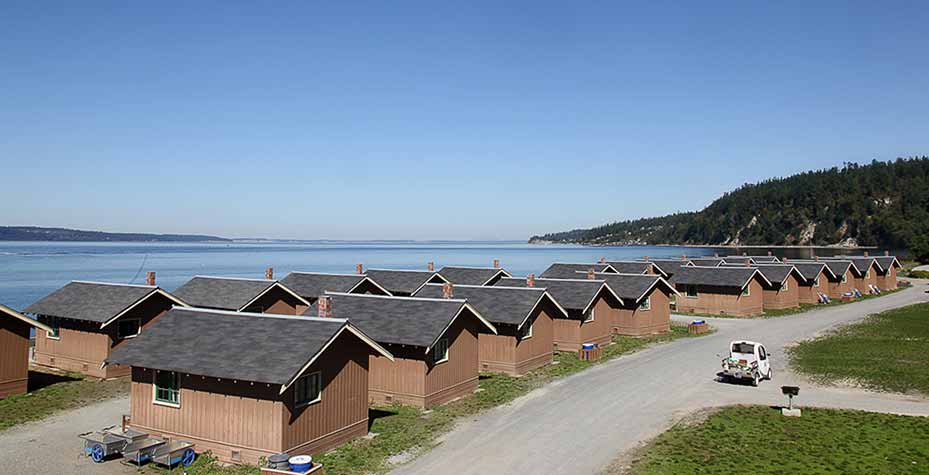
<point>816,281</point>
<point>404,283</point>
<point>569,270</point>
<point>784,291</point>
<point>522,316</point>
<point>840,277</point>
<point>91,319</point>
<point>241,295</point>
<point>887,272</point>
<point>247,385</point>
<point>14,350</point>
<point>669,267</point>
<point>637,267</point>
<point>646,306</point>
<point>473,275</point>
<point>434,343</point>
<point>864,270</point>
<point>310,285</point>
<point>736,291</point>
<point>591,307</point>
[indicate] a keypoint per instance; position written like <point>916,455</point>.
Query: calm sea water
<point>30,270</point>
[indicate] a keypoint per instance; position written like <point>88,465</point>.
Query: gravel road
<point>582,423</point>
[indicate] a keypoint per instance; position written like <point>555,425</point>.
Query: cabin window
<point>128,328</point>
<point>747,291</point>
<point>816,282</point>
<point>167,388</point>
<point>867,274</point>
<point>526,331</point>
<point>691,291</point>
<point>309,389</point>
<point>646,304</point>
<point>55,324</point>
<point>845,277</point>
<point>440,351</point>
<point>784,286</point>
<point>590,315</point>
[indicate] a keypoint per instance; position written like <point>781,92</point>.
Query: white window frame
<point>845,278</point>
<point>440,351</point>
<point>816,282</point>
<point>318,375</point>
<point>747,291</point>
<point>55,323</point>
<point>125,337</point>
<point>646,304</point>
<point>784,287</point>
<point>528,334</point>
<point>688,288</point>
<point>162,402</point>
<point>591,315</point>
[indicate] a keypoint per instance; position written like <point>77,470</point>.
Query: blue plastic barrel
<point>301,463</point>
<point>588,346</point>
<point>698,322</point>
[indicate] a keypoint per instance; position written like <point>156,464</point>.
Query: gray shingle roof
<point>310,285</point>
<point>810,270</point>
<point>246,346</point>
<point>470,275</point>
<point>858,266</point>
<point>632,287</point>
<point>222,293</point>
<point>507,305</point>
<point>630,267</point>
<point>670,266</point>
<point>707,261</point>
<point>838,268</point>
<point>395,320</point>
<point>90,301</point>
<point>736,276</point>
<point>401,281</point>
<point>765,259</point>
<point>561,270</point>
<point>576,294</point>
<point>778,273</point>
<point>886,262</point>
<point>737,260</point>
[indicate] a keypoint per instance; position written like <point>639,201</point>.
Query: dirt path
<point>51,446</point>
<point>580,424</point>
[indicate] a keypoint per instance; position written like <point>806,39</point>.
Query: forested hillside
<point>35,233</point>
<point>882,204</point>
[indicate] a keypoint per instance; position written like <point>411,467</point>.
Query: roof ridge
<point>557,279</point>
<point>233,278</point>
<point>403,270</point>
<point>143,286</point>
<point>475,286</point>
<point>347,274</point>
<point>470,267</point>
<point>260,315</point>
<point>395,297</point>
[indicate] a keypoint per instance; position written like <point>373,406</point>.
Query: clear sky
<point>438,120</point>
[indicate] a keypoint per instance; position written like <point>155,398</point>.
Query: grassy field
<point>53,392</point>
<point>759,440</point>
<point>888,351</point>
<point>404,431</point>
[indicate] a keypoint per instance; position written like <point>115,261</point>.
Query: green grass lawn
<point>51,392</point>
<point>759,440</point>
<point>888,351</point>
<point>407,430</point>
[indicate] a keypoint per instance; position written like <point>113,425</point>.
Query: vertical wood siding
<point>505,353</point>
<point>723,300</point>
<point>400,381</point>
<point>14,356</point>
<point>342,412</point>
<point>459,375</point>
<point>887,280</point>
<point>837,287</point>
<point>221,416</point>
<point>278,302</point>
<point>631,321</point>
<point>775,299</point>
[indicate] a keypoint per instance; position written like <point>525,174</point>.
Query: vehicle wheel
<point>96,453</point>
<point>756,378</point>
<point>770,374</point>
<point>188,457</point>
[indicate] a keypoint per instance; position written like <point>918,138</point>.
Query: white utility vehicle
<point>747,360</point>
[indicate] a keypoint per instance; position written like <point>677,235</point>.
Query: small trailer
<point>137,447</point>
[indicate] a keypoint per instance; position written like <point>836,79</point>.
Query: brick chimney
<point>645,258</point>
<point>715,254</point>
<point>590,274</point>
<point>448,290</point>
<point>887,253</point>
<point>324,306</point>
<point>150,278</point>
<point>359,269</point>
<point>817,258</point>
<point>770,253</point>
<point>784,259</point>
<point>866,253</point>
<point>269,273</point>
<point>684,257</point>
<point>602,260</point>
<point>744,253</point>
<point>496,263</point>
<point>430,266</point>
<point>530,280</point>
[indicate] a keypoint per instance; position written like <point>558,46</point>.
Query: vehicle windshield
<point>743,348</point>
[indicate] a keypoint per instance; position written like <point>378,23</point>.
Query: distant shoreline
<point>709,246</point>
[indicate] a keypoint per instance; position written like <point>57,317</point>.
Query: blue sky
<point>478,120</point>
